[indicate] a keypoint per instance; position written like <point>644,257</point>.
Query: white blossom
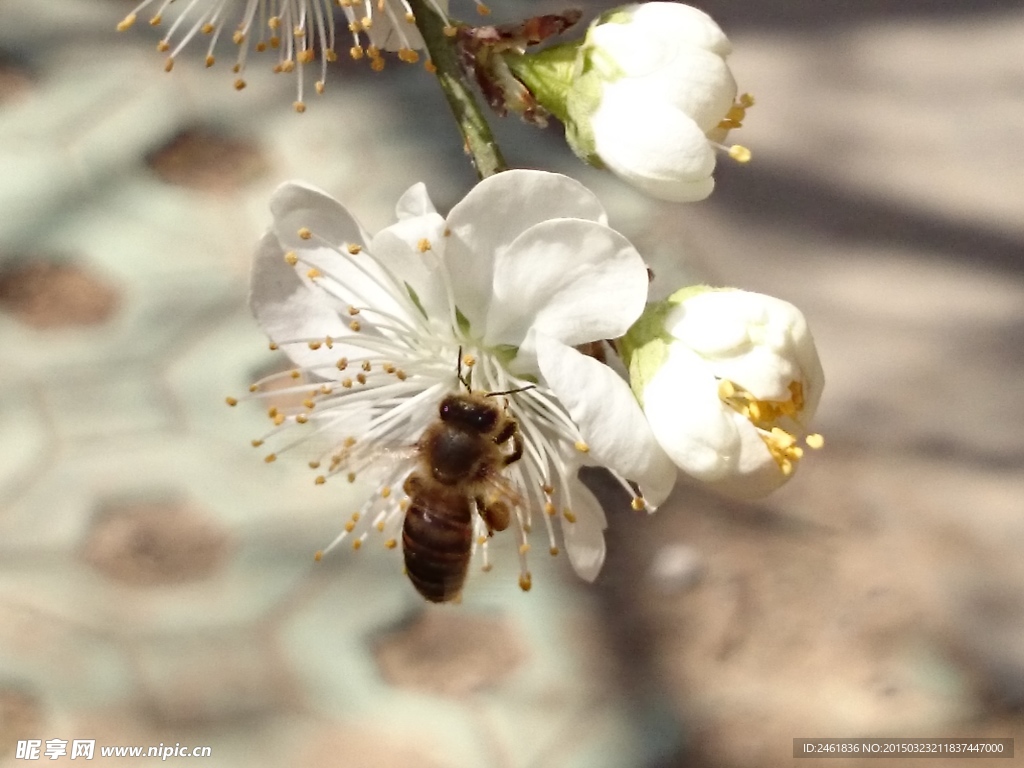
<point>298,31</point>
<point>521,271</point>
<point>729,381</point>
<point>659,98</point>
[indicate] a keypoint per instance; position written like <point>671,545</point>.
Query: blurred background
<point>156,577</point>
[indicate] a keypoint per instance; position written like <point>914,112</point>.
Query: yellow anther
<point>163,46</point>
<point>301,418</point>
<point>483,10</point>
<point>450,31</point>
<point>306,56</point>
<point>127,22</point>
<point>746,100</point>
<point>319,86</point>
<point>814,441</point>
<point>257,443</point>
<point>238,37</point>
<point>346,383</point>
<point>388,367</point>
<point>231,401</point>
<point>553,551</point>
<point>481,540</point>
<point>739,153</point>
<point>342,364</point>
<point>354,248</point>
<point>548,489</point>
<point>366,22</point>
<point>638,503</point>
<point>468,360</point>
<point>390,543</point>
<point>582,447</point>
<point>299,32</point>
<point>314,465</point>
<point>379,525</point>
<point>260,47</point>
<point>408,55</point>
<point>239,84</point>
<point>319,555</point>
<point>314,273</point>
<point>351,477</point>
<point>207,28</point>
<point>361,378</point>
<point>275,42</point>
<point>325,390</point>
<point>294,373</point>
<point>377,64</point>
<point>330,54</point>
<point>353,311</point>
<point>274,22</point>
<point>273,347</point>
<point>401,375</point>
<point>155,21</point>
<point>279,420</point>
<point>315,344</point>
<point>355,326</point>
<point>432,68</point>
<point>525,582</point>
<point>365,365</point>
<point>308,402</point>
<point>210,61</point>
<point>299,106</point>
<point>329,342</point>
<point>357,544</point>
<point>549,508</point>
<point>169,64</point>
<point>272,412</point>
<point>524,548</point>
<point>410,17</point>
<point>304,233</point>
<point>350,526</point>
<point>355,27</point>
<point>320,480</point>
<point>385,491</point>
<point>569,516</point>
<point>270,458</point>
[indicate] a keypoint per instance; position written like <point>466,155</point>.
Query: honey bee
<point>462,455</point>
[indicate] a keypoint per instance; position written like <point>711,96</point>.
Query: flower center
<point>767,415</point>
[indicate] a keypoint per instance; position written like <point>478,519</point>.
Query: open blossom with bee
<point>479,312</point>
<point>296,32</point>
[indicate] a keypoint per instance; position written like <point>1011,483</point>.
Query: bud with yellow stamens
<point>729,381</point>
<point>647,94</point>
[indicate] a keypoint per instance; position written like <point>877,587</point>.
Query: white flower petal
<point>608,416</point>
<point>584,538</point>
<point>414,202</point>
<point>573,280</point>
<point>497,211</point>
<point>689,419</point>
<point>653,146</point>
<point>697,83</point>
<point>295,205</point>
<point>679,24</point>
<point>287,307</point>
<point>413,250</point>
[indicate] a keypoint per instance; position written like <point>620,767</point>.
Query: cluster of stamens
<point>766,416</point>
<point>299,30</point>
<point>734,119</point>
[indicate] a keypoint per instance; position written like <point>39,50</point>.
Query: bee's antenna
<point>458,368</point>
<point>511,391</point>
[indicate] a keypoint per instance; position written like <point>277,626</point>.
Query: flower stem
<point>474,128</point>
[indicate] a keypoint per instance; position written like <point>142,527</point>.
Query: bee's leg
<point>517,449</point>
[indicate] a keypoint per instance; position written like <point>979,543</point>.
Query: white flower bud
<point>728,381</point>
<point>663,100</point>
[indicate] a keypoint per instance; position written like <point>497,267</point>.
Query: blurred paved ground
<point>156,583</point>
